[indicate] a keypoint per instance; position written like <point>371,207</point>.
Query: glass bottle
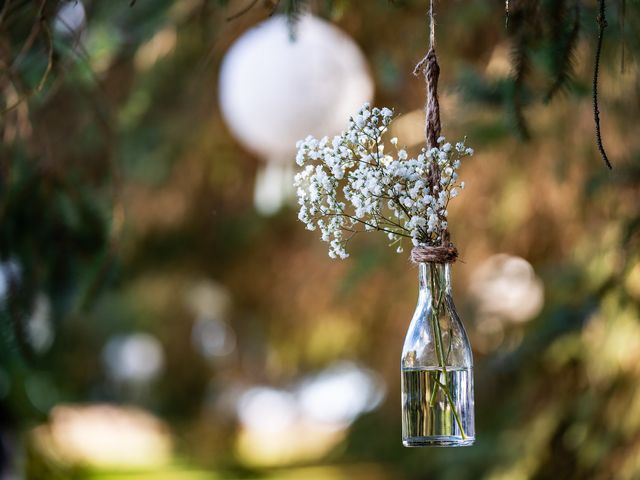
<point>437,368</point>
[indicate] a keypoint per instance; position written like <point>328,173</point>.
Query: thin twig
<point>4,10</point>
<point>602,24</point>
<point>243,11</point>
<point>28,43</point>
<point>47,71</point>
<point>41,25</point>
<point>45,75</point>
<point>358,220</point>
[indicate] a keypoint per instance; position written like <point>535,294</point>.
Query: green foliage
<point>564,40</point>
<point>293,9</point>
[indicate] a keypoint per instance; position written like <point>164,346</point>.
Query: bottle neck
<point>434,281</point>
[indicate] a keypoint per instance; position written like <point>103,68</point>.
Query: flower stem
<point>435,314</point>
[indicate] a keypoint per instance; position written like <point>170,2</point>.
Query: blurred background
<point>163,314</point>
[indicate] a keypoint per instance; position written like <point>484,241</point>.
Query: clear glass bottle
<point>437,368</point>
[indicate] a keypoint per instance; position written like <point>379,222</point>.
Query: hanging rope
<point>438,254</point>
<point>429,67</point>
<point>445,252</point>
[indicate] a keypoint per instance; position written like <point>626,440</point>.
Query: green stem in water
<point>435,314</point>
<point>435,326</point>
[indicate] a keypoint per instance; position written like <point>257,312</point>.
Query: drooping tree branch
<point>602,24</point>
<point>242,11</point>
<point>564,55</point>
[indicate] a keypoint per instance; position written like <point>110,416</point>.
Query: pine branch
<point>564,59</point>
<point>294,9</point>
<point>478,89</point>
<point>524,19</point>
<point>521,66</point>
<point>556,13</point>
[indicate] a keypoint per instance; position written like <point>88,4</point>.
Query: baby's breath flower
<point>349,184</point>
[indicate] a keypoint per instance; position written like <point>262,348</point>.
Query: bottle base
<point>438,441</point>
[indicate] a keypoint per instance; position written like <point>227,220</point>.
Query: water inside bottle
<point>437,406</point>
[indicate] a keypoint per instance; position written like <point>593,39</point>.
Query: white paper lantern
<point>275,90</point>
<point>70,26</point>
<point>71,19</point>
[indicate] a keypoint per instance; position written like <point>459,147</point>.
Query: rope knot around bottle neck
<point>446,253</point>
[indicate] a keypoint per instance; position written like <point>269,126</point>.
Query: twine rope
<point>434,253</point>
<point>428,66</point>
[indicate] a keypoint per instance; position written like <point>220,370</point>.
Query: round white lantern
<point>276,90</point>
<point>70,26</point>
<point>71,19</point>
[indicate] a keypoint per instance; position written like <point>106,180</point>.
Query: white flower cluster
<point>350,184</point>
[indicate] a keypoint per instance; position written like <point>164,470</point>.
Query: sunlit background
<point>163,314</point>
